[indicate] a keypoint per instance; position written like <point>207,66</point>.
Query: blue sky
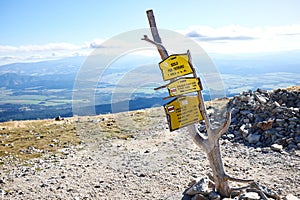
<point>32,29</point>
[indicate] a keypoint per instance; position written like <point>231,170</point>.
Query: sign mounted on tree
<point>174,66</point>
<point>184,86</point>
<point>183,111</point>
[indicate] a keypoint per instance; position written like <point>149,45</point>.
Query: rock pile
<point>266,119</point>
<point>202,190</point>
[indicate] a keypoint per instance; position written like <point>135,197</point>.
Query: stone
<point>276,104</point>
<point>199,197</point>
<point>214,196</point>
<point>245,112</point>
<point>277,147</point>
<point>260,99</point>
<point>249,196</point>
<point>290,197</point>
<point>202,128</point>
<point>201,187</point>
<point>230,136</point>
<point>253,138</point>
<point>246,120</point>
<point>243,131</point>
<point>58,118</point>
<point>270,114</point>
<point>297,139</point>
<point>2,193</point>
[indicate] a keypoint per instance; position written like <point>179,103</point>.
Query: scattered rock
<point>58,118</point>
<point>277,147</point>
<point>265,125</point>
<point>250,196</point>
<point>253,138</point>
<point>158,165</point>
<point>201,187</point>
<point>291,197</point>
<point>214,196</point>
<point>199,197</point>
<point>262,118</point>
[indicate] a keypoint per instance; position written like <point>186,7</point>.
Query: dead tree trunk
<point>210,143</point>
<point>211,146</point>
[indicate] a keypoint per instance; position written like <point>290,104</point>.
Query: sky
<point>34,30</point>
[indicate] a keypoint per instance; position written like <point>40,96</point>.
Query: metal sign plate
<point>183,111</point>
<point>174,66</point>
<point>184,86</point>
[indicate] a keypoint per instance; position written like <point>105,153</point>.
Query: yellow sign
<point>184,86</point>
<point>174,66</point>
<point>182,112</point>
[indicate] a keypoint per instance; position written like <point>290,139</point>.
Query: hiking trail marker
<point>175,66</point>
<point>183,86</point>
<point>183,111</point>
<point>186,110</point>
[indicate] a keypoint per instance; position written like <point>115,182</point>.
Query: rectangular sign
<point>183,111</point>
<point>184,86</point>
<point>174,66</point>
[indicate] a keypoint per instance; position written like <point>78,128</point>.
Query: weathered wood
<point>161,49</point>
<point>216,164</point>
<point>202,105</point>
<point>209,144</point>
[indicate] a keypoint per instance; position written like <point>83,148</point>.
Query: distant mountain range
<point>45,89</point>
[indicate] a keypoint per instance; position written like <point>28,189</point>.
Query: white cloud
<point>50,51</point>
<point>96,43</point>
<point>38,48</point>
<point>230,39</point>
<point>239,39</point>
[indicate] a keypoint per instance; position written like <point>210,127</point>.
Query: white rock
<point>250,196</point>
<point>199,188</point>
<point>291,197</point>
<point>276,147</point>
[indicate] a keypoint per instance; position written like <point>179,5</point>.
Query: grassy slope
<point>17,137</point>
<point>22,140</point>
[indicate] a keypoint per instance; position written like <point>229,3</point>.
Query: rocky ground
<point>148,162</point>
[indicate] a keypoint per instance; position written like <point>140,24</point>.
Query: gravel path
<point>153,164</point>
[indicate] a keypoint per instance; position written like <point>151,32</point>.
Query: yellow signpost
<point>174,66</point>
<point>183,111</point>
<point>184,86</point>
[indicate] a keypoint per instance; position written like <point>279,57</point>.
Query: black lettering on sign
<point>179,67</point>
<point>174,64</point>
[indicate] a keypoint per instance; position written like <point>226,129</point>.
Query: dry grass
<point>28,139</point>
<point>120,125</point>
<point>293,88</point>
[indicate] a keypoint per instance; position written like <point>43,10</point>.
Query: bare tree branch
<point>240,188</point>
<point>225,126</point>
<point>237,179</point>
<point>197,137</point>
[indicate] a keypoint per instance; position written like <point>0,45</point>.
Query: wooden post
<point>199,94</point>
<point>161,49</point>
<point>209,144</point>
